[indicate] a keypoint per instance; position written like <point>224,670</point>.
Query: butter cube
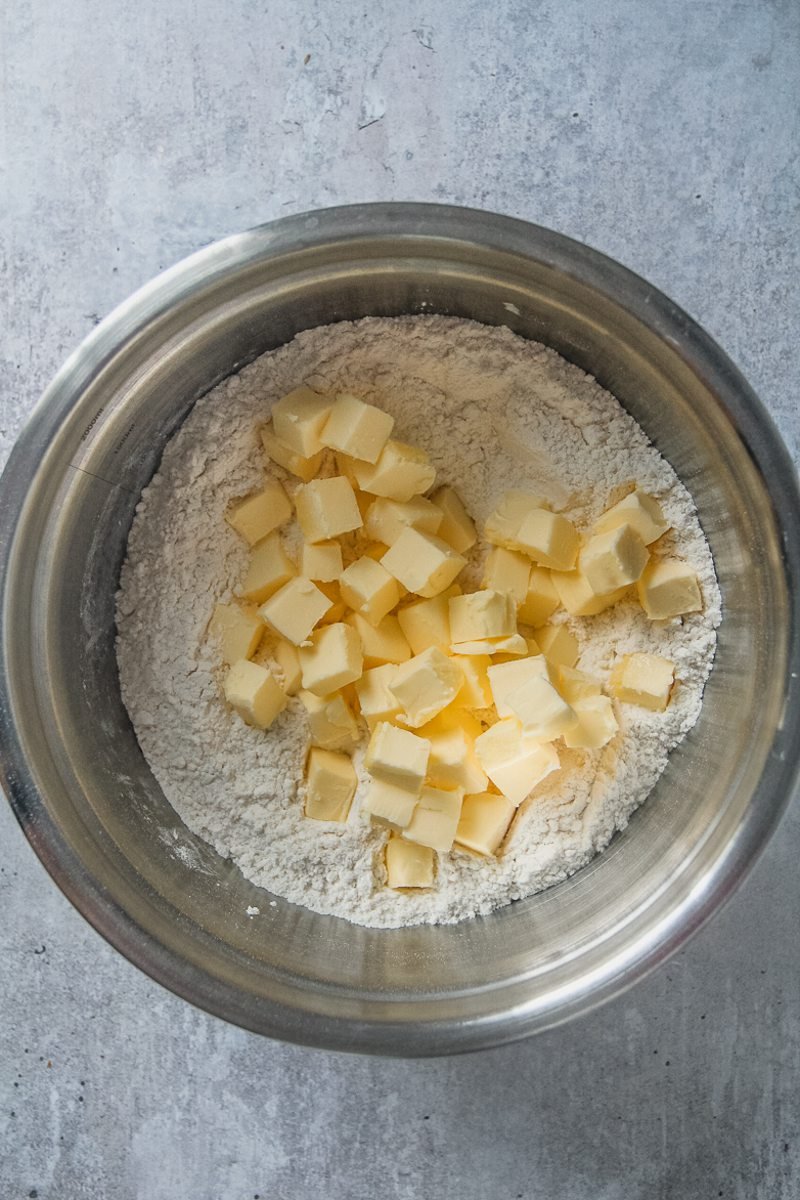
<point>503,526</point>
<point>398,755</point>
<point>558,645</point>
<point>237,629</point>
<point>338,610</point>
<point>643,679</point>
<point>669,588</point>
<point>356,428</point>
<point>427,623</point>
<point>453,762</point>
<point>425,685</point>
<point>254,693</point>
<point>576,685</point>
<point>269,568</point>
<point>596,724</point>
<point>506,678</point>
<point>369,589</point>
<point>381,643</point>
<point>326,508</point>
<point>481,615</point>
<point>390,802</point>
<point>507,571</point>
<point>541,599</point>
<point>540,710</point>
<point>613,560</point>
<point>331,721</point>
<point>457,527</point>
<point>286,457</point>
<point>484,822</point>
<point>258,515</point>
<point>422,563</point>
<point>385,520</point>
<point>295,609</point>
<point>578,596</point>
<point>330,785</point>
<point>435,819</point>
<point>289,663</point>
<point>299,418</point>
<point>475,691</point>
<point>451,718</point>
<point>374,550</point>
<point>375,698</point>
<point>514,645</point>
<point>514,762</point>
<point>321,561</point>
<point>401,471</point>
<point>407,865</point>
<point>642,512</point>
<point>549,539</point>
<point>333,659</point>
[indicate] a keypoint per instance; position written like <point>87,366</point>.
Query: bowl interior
<point>165,897</point>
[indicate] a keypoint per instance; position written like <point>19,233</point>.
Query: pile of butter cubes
<point>465,696</point>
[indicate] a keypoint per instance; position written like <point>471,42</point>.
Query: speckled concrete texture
<point>666,135</point>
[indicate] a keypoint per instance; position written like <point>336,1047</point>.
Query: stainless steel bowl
<point>72,767</point>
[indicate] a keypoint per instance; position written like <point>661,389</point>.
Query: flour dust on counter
<point>493,412</point>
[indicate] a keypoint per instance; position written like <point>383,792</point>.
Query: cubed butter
<point>321,561</point>
<point>453,762</point>
<point>514,645</point>
<point>389,802</point>
<point>484,822</point>
<point>299,418</point>
<point>237,629</point>
<point>424,564</point>
<point>541,599</point>
<point>289,663</point>
<point>643,679</point>
<point>613,560</point>
<point>402,471</point>
<point>595,726</point>
<point>331,721</point>
<point>578,597</point>
<point>457,527</point>
<point>540,710</point>
<point>375,698</point>
<point>333,658</point>
<point>515,763</point>
<point>381,643</point>
<point>503,526</point>
<point>427,623</point>
<point>558,645</point>
<point>268,570</point>
<point>425,685</point>
<point>408,865</point>
<point>642,512</point>
<point>356,428</point>
<point>385,520</point>
<point>506,678</point>
<point>338,610</point>
<point>327,508</point>
<point>549,539</point>
<point>330,785</point>
<point>256,516</point>
<point>282,454</point>
<point>398,755</point>
<point>295,609</point>
<point>576,685</point>
<point>475,691</point>
<point>254,693</point>
<point>435,819</point>
<point>669,588</point>
<point>369,589</point>
<point>480,615</point>
<point>507,571</point>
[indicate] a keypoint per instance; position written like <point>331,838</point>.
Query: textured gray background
<point>667,136</point>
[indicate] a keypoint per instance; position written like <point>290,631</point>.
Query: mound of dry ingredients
<point>494,412</point>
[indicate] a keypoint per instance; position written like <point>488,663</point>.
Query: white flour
<point>494,412</point>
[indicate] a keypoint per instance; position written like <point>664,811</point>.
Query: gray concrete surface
<point>667,136</point>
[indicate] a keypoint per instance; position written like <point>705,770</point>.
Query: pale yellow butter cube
<point>576,685</point>
<point>321,561</point>
<point>425,685</point>
<point>513,645</point>
<point>327,508</point>
<point>507,571</point>
<point>503,526</point>
<point>643,679</point>
<point>268,570</point>
<point>480,615</point>
<point>457,527</point>
<point>613,560</point>
<point>385,520</point>
<point>450,718</point>
<point>484,822</point>
<point>475,691</point>
<point>541,599</point>
<point>381,643</point>
<point>295,609</point>
<point>540,710</point>
<point>375,698</point>
<point>237,629</point>
<point>398,755</point>
<point>669,588</point>
<point>338,610</point>
<point>333,658</point>
<point>289,663</point>
<point>424,564</point>
<point>356,428</point>
<point>506,678</point>
<point>369,589</point>
<point>256,516</point>
<point>549,539</point>
<point>515,763</point>
<point>401,471</point>
<point>453,762</point>
<point>331,721</point>
<point>407,865</point>
<point>330,785</point>
<point>435,819</point>
<point>286,457</point>
<point>427,623</point>
<point>558,645</point>
<point>254,693</point>
<point>299,418</point>
<point>595,726</point>
<point>642,512</point>
<point>578,596</point>
<point>390,802</point>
